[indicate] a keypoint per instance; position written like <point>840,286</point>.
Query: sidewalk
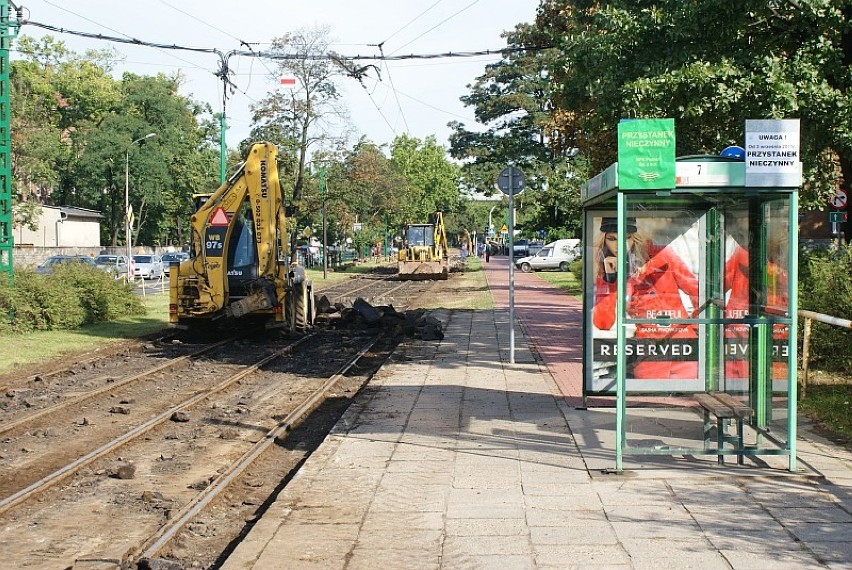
<point>454,458</point>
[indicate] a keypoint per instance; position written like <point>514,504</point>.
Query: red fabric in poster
<point>652,293</point>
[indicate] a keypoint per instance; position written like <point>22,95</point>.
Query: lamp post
<point>127,211</point>
<point>490,226</point>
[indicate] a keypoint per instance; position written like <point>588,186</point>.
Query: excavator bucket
<point>422,270</point>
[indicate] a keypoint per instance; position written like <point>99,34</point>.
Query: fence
<point>809,317</point>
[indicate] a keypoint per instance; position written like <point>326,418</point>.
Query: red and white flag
<point>288,81</point>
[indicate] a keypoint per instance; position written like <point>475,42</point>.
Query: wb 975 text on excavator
<point>424,254</point>
<point>239,265</point>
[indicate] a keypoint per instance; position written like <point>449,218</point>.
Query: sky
<point>416,97</point>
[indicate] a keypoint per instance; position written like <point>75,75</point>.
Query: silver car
<point>148,266</point>
<point>114,264</point>
<point>54,261</point>
<point>175,257</point>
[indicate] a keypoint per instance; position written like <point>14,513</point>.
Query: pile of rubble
<point>416,323</point>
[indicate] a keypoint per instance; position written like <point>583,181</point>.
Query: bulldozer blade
<point>423,270</point>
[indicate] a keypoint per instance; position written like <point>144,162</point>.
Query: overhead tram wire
<point>126,39</point>
<point>220,30</point>
<point>439,24</point>
<point>393,89</point>
<point>224,72</point>
<point>417,17</point>
<point>277,56</point>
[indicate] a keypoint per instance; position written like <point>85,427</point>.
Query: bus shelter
<point>690,311</point>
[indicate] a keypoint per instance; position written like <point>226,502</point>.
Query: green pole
<point>8,30</point>
<point>324,230</point>
<point>223,149</point>
<point>792,341</point>
<point>621,337</point>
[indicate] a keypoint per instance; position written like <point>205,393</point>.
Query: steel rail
<point>60,474</point>
<point>111,387</point>
<point>155,543</point>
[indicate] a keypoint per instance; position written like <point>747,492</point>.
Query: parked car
<point>115,264</point>
<point>521,248</point>
<point>175,257</point>
<point>52,262</point>
<point>148,266</point>
<point>556,255</point>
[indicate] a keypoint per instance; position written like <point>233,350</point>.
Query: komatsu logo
<point>258,205</point>
<point>264,183</point>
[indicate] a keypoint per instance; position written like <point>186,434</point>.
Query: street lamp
<point>491,227</point>
<point>127,197</point>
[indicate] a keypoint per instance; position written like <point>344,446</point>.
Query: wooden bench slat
<point>739,408</point>
<point>723,405</point>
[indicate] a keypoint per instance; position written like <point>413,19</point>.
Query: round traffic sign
<point>511,180</point>
<point>839,199</point>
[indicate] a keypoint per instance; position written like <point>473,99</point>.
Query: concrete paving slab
<point>455,458</point>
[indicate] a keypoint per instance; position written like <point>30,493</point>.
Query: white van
<point>556,255</point>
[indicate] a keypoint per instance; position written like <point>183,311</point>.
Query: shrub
<point>70,297</point>
<point>576,267</point>
<point>825,286</point>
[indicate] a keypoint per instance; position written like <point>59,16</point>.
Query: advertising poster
<point>775,297</point>
<point>663,260</point>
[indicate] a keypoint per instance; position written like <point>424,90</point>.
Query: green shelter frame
<point>744,343</point>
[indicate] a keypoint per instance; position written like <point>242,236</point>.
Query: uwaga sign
<point>772,153</point>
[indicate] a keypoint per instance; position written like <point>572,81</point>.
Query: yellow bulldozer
<point>424,253</point>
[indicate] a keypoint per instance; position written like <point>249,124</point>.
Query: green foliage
<point>432,180</point>
<point>73,125</point>
<point>513,98</point>
<point>70,297</point>
<point>825,287</point>
<point>831,407</point>
<point>576,268</point>
<point>710,65</point>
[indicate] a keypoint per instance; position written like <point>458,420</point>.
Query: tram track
<point>159,541</point>
<point>376,290</point>
<point>113,386</point>
<point>115,444</point>
<point>167,452</point>
<point>219,447</point>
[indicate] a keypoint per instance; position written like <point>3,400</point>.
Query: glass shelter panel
<point>663,273</point>
<point>706,311</point>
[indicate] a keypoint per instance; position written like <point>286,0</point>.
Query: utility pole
<point>324,227</point>
<point>8,30</point>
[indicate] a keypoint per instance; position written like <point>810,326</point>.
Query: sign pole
<point>509,181</point>
<point>511,266</point>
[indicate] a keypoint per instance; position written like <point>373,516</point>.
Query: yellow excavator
<point>238,263</point>
<point>424,252</point>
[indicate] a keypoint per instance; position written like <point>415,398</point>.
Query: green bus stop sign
<point>646,154</point>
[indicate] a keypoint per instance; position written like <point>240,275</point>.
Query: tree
<point>433,181</point>
<point>306,116</point>
<point>710,65</point>
<point>56,97</point>
<point>513,99</point>
<point>163,172</point>
<point>371,190</point>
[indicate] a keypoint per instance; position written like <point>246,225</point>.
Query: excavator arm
<point>238,229</point>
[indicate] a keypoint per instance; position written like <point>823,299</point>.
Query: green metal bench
<point>724,408</point>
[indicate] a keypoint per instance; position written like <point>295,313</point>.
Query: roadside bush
<point>70,297</point>
<point>576,267</point>
<point>825,286</point>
